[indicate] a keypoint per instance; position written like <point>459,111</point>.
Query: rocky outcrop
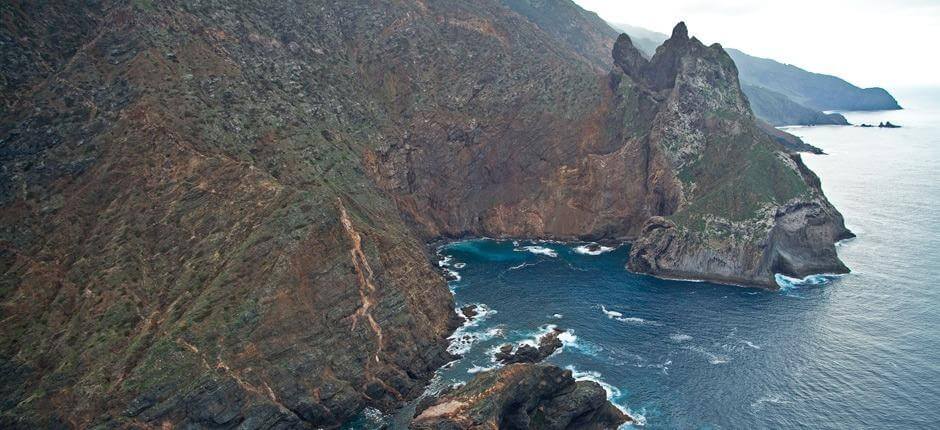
<point>781,224</point>
<point>525,353</point>
<point>522,396</point>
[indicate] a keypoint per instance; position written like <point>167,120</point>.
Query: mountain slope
<point>779,109</point>
<point>215,213</point>
<point>813,90</point>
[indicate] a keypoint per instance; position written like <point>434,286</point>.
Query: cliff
<point>779,222</point>
<point>215,213</point>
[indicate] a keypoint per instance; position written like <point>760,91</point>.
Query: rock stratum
<point>214,213</point>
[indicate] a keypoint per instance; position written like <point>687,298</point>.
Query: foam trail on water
<point>680,337</point>
<point>614,315</point>
<point>611,314</point>
<point>539,250</point>
<point>712,357</point>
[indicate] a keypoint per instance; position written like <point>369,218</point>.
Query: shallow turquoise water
<point>860,351</point>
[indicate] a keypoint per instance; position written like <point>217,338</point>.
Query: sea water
<point>856,351</point>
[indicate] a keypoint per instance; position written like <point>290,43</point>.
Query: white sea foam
<point>463,339</point>
<point>613,395</point>
<point>478,369</point>
<point>453,274</point>
<point>611,314</point>
<point>445,261</point>
<point>787,283</point>
<point>520,266</point>
<point>586,249</point>
<point>557,316</point>
<point>460,265</point>
<point>710,356</point>
<point>539,250</point>
<point>569,340</point>
<point>612,391</point>
<point>639,418</point>
<point>614,315</point>
<point>748,343</point>
<point>680,337</point>
<point>773,399</point>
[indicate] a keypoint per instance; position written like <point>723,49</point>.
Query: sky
<point>888,43</point>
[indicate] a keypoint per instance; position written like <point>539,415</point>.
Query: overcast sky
<point>889,43</point>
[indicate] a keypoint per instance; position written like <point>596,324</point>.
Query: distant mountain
<point>778,109</point>
<point>782,94</point>
<point>813,90</point>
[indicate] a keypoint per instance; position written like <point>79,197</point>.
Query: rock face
<point>522,396</point>
<point>720,231</point>
<point>214,213</point>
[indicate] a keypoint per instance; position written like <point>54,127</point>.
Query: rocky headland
<point>521,396</point>
<point>215,213</point>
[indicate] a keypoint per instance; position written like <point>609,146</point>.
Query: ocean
<point>856,351</point>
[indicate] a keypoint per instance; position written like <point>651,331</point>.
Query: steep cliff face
<point>748,208</point>
<point>214,212</point>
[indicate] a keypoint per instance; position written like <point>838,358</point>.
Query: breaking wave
<point>586,249</point>
<point>787,283</point>
<point>539,250</point>
<point>465,337</point>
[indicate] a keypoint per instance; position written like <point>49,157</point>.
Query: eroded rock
<point>522,396</point>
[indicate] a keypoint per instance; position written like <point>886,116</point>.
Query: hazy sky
<point>888,43</point>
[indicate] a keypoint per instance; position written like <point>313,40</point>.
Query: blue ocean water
<point>858,351</point>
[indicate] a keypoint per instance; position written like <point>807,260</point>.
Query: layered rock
<point>522,396</point>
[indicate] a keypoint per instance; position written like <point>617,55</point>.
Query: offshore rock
<point>525,353</point>
<point>522,396</point>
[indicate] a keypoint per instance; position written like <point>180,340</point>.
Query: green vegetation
<point>726,164</point>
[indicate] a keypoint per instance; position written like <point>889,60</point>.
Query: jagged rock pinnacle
<point>680,31</point>
<point>627,57</point>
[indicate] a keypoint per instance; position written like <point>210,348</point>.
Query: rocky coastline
<point>522,393</point>
<point>215,214</point>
